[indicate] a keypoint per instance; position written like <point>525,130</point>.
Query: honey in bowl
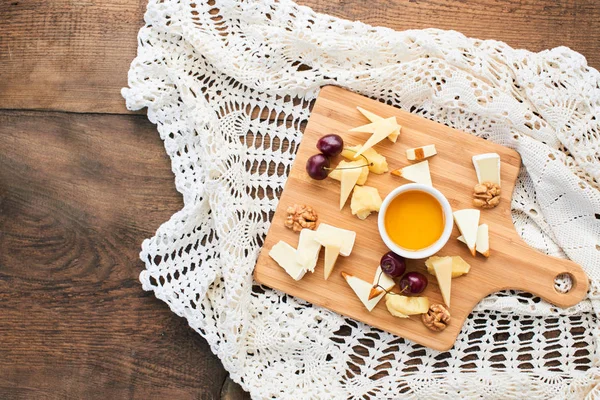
<point>414,220</point>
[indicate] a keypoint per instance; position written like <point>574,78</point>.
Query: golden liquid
<point>414,220</point>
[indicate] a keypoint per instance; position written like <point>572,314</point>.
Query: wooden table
<point>83,181</point>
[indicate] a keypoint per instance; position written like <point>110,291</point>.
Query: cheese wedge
<point>482,244</point>
<point>382,283</point>
<point>421,153</point>
<point>337,172</point>
<point>467,222</point>
<point>459,266</point>
<point>285,256</point>
<point>418,173</point>
<point>443,273</point>
<point>380,130</point>
<point>308,249</point>
<point>377,163</point>
<point>331,235</point>
<point>374,118</point>
<point>362,289</point>
<point>348,181</point>
<point>332,251</point>
<point>487,167</point>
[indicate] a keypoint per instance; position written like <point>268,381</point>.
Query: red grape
<point>316,166</point>
<point>413,283</point>
<point>331,145</point>
<point>392,264</point>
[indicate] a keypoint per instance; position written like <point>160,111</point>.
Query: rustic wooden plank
<point>65,55</point>
<point>78,194</point>
<point>511,265</point>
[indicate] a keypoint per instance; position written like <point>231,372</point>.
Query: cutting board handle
<point>536,273</point>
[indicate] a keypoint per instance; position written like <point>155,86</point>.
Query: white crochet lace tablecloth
<point>229,85</point>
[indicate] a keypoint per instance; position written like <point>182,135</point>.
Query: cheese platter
<point>402,223</point>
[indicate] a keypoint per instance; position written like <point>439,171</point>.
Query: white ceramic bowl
<point>435,247</point>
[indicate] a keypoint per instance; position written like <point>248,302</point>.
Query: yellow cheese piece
<point>374,118</point>
<point>308,249</point>
<point>377,163</point>
<point>331,235</point>
<point>459,266</point>
<point>482,244</point>
<point>380,130</point>
<point>365,200</point>
<point>348,181</point>
<point>487,167</point>
<point>285,256</point>
<point>406,305</point>
<point>418,173</point>
<point>332,251</point>
<point>467,222</point>
<point>364,172</point>
<point>443,273</point>
<point>421,153</point>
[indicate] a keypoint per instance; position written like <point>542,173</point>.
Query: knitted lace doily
<point>229,85</point>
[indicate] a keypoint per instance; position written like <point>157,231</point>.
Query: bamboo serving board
<point>511,265</point>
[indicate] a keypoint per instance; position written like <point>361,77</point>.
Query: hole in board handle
<point>564,283</point>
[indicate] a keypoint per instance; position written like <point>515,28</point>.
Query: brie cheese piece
<point>362,290</point>
<point>381,280</point>
<point>482,244</point>
<point>348,181</point>
<point>487,167</point>
<point>443,273</point>
<point>379,130</point>
<point>418,173</point>
<point>467,222</point>
<point>421,153</point>
<point>374,118</point>
<point>331,235</point>
<point>308,250</point>
<point>285,256</point>
<point>332,251</point>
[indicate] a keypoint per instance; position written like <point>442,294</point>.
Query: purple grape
<point>331,145</point>
<point>413,283</point>
<point>392,264</point>
<point>316,166</point>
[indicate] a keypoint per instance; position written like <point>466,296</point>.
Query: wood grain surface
<point>74,55</point>
<point>78,194</point>
<point>511,265</point>
<point>71,307</point>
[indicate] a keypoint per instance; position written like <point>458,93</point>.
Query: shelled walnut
<point>486,195</point>
<point>436,318</point>
<point>300,217</point>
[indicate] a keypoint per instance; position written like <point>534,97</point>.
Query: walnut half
<point>300,217</point>
<point>436,318</point>
<point>486,195</point>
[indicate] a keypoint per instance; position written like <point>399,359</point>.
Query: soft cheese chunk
<point>285,256</point>
<point>331,235</point>
<point>365,200</point>
<point>467,222</point>
<point>337,172</point>
<point>377,163</point>
<point>374,118</point>
<point>308,250</point>
<point>487,167</point>
<point>443,273</point>
<point>421,153</point>
<point>401,306</point>
<point>418,173</point>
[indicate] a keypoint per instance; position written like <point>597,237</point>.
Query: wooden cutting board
<point>511,265</point>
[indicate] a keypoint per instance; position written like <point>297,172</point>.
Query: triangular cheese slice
<point>380,130</point>
<point>362,289</point>
<point>308,249</point>
<point>418,173</point>
<point>443,273</point>
<point>482,244</point>
<point>331,255</point>
<point>374,118</point>
<point>467,222</point>
<point>348,180</point>
<point>331,235</point>
<point>285,256</point>
<point>382,283</point>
